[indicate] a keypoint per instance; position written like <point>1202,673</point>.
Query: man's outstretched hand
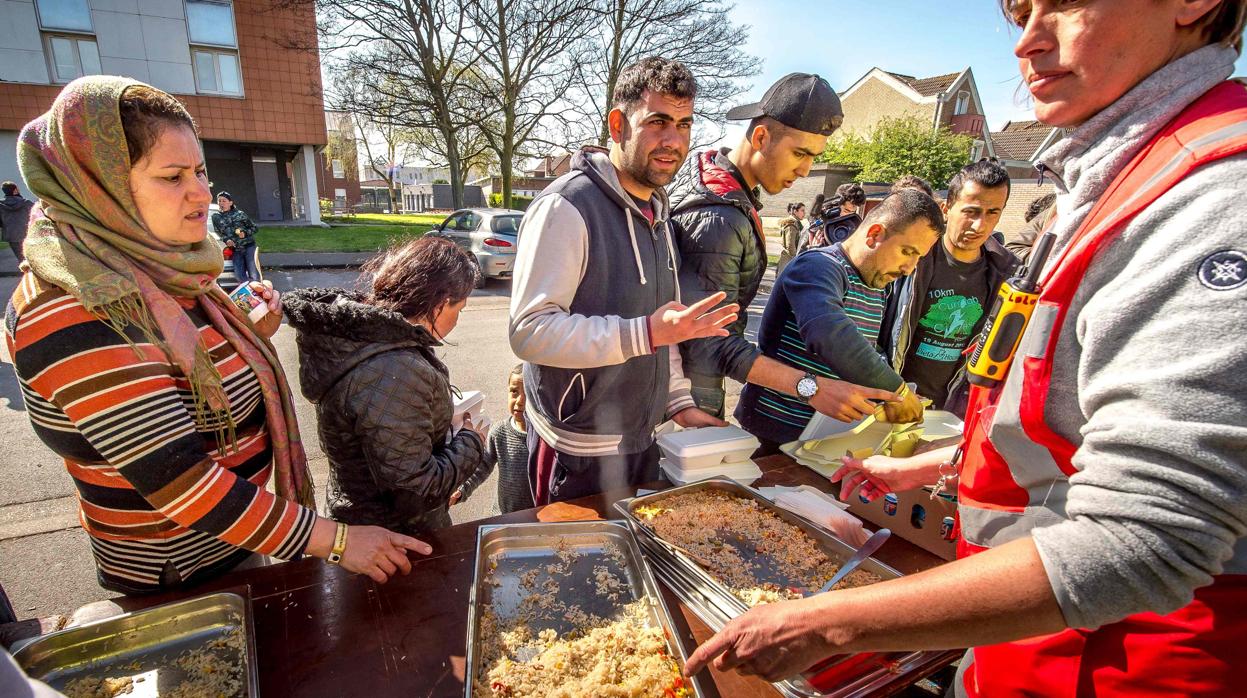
<point>675,322</point>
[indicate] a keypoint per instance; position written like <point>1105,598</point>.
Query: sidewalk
<point>274,260</point>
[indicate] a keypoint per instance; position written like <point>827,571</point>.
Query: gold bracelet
<point>339,545</point>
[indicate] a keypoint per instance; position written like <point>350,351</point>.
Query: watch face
<point>806,387</point>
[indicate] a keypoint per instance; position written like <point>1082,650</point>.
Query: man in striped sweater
<point>825,313</point>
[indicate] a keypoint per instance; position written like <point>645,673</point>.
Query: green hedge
<point>519,203</point>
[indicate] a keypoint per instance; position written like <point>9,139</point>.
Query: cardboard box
<point>931,536</point>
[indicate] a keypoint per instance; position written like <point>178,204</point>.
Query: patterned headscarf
<point>87,237</point>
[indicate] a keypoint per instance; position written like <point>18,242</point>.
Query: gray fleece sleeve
<point>1161,497</point>
<point>549,266</point>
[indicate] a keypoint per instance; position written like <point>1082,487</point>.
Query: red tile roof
<point>928,86</point>
<point>1020,139</point>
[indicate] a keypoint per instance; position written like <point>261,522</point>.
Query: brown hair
<point>656,74</point>
<point>1223,25</point>
<point>145,113</point>
<point>416,278</point>
<point>910,181</point>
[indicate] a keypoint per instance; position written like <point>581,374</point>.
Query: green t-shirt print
<point>949,323</point>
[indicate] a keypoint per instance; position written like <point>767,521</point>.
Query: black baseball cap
<point>798,100</point>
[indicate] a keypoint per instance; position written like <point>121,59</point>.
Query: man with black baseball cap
<point>722,246</point>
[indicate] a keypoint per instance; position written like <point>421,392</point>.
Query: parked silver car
<point>488,234</point>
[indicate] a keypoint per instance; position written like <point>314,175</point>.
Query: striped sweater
<point>823,319</point>
<point>163,506</point>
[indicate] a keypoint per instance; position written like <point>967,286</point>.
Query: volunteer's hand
<point>271,322</point>
<point>879,475</point>
<point>844,401</point>
<point>379,553</point>
<point>774,641</point>
<point>693,417</point>
<point>456,497</point>
<point>674,322</point>
<point>907,409</point>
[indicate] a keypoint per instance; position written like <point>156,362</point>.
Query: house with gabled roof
<point>1019,144</point>
<point>951,100</point>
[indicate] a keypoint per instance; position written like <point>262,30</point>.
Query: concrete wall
<point>822,179</point>
<point>875,100</point>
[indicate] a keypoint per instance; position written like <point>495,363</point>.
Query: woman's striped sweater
<point>162,504</point>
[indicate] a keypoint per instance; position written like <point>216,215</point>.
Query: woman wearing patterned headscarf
<point>168,405</point>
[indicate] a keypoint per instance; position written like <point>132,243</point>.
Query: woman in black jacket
<point>383,399</point>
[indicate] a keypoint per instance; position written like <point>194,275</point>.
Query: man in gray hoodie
<point>1103,503</point>
<point>595,300</point>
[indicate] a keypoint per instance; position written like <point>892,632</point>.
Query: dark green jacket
<point>228,223</point>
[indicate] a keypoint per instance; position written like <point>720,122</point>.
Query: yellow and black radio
<point>1015,301</point>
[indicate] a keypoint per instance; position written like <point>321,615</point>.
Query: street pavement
<point>45,560</point>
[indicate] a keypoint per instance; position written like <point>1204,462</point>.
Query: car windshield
<point>506,224</point>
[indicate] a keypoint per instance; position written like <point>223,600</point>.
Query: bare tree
<point>526,51</point>
<point>698,33</point>
<point>409,56</point>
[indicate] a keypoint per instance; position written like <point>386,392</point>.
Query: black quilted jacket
<point>384,406</point>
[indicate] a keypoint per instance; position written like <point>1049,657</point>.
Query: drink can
<point>946,528</point>
<point>890,503</point>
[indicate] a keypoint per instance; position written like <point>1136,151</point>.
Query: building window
<point>66,15</point>
<point>217,72</point>
<point>963,103</point>
<point>338,171</point>
<point>72,57</point>
<point>211,23</point>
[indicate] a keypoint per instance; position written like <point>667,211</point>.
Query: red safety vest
<point>1016,469</point>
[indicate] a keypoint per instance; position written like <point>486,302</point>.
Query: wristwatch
<point>339,545</point>
<point>807,387</point>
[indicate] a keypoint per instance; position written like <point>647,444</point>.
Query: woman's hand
<point>879,475</point>
<point>482,430</point>
<point>271,322</point>
<point>379,553</point>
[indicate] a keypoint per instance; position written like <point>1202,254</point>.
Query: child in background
<point>507,447</point>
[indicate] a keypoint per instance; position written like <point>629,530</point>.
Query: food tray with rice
<point>569,610</point>
<point>743,548</point>
<point>198,648</point>
<point>729,548</point>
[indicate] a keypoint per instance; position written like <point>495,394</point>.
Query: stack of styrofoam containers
<point>470,402</point>
<point>697,454</point>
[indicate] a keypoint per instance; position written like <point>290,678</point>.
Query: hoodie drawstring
<point>636,251</point>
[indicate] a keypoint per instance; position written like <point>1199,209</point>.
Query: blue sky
<point>843,39</point>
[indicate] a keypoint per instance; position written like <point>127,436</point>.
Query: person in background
<point>14,217</point>
<point>1039,215</point>
<point>825,315</point>
<point>238,231</point>
<point>790,231</point>
<point>507,448</point>
<point>595,303</point>
<point>383,399</point>
<point>170,447</point>
<point>936,312</point>
<point>838,221</point>
<point>815,216</point>
<point>912,182</point>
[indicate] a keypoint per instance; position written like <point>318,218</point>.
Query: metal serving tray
<point>833,547</point>
<point>145,644</point>
<point>843,677</point>
<point>521,548</point>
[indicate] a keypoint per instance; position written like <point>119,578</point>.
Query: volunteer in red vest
<point>1103,492</point>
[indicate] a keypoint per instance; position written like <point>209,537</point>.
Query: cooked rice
<point>698,522</point>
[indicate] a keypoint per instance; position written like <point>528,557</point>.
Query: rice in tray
<point>623,656</point>
<point>702,523</point>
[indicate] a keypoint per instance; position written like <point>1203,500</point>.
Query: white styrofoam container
<point>693,449</point>
<point>472,402</point>
<point>744,473</point>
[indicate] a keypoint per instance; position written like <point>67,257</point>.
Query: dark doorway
<point>267,187</point>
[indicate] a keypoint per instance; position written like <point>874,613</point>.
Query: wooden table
<point>321,631</point>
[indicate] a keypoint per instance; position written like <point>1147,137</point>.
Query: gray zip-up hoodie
<point>1150,369</point>
<point>589,271</point>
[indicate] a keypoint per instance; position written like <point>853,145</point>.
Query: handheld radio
<point>1015,301</point>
